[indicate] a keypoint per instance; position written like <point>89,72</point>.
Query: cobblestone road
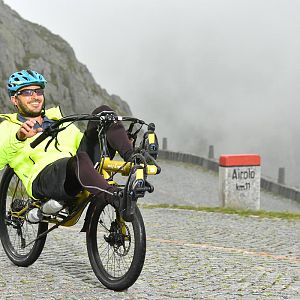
<point>190,255</point>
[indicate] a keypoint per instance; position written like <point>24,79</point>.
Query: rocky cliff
<point>24,45</point>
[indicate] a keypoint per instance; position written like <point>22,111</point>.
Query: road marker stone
<point>239,181</point>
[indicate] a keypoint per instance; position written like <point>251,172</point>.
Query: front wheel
<point>116,248</point>
<point>15,231</point>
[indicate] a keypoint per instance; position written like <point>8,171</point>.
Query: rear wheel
<point>15,231</point>
<point>116,248</point>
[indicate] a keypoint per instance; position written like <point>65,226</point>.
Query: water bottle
<point>51,207</point>
<point>34,215</point>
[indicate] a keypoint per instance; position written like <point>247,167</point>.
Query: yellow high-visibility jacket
<point>26,161</point>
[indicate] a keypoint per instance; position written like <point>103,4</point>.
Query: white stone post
<point>239,181</point>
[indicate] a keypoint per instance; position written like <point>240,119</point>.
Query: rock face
<point>24,45</point>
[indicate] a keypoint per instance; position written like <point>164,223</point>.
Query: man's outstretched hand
<point>27,130</point>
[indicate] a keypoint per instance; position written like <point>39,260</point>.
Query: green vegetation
<point>247,213</point>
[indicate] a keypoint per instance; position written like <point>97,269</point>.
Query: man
<point>55,174</point>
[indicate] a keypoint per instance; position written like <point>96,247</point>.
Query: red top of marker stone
<point>233,160</point>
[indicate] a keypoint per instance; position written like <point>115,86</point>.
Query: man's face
<point>29,106</point>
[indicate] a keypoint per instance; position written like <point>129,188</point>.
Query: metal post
<point>281,176</point>
<point>211,153</point>
<point>164,144</point>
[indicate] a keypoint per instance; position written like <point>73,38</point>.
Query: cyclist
<point>61,172</point>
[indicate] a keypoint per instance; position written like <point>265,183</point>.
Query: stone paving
<point>190,255</point>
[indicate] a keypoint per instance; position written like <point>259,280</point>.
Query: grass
<point>246,213</point>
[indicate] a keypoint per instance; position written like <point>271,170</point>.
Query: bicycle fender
<point>88,215</point>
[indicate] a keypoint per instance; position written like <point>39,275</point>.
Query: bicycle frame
<point>106,167</point>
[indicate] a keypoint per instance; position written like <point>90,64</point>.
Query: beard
<point>26,112</point>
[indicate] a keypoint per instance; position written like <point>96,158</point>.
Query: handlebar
<point>102,117</point>
<point>39,139</point>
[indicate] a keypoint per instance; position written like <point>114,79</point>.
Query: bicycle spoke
<point>115,248</point>
<point>19,231</point>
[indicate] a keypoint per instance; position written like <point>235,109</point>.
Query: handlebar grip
<point>39,139</point>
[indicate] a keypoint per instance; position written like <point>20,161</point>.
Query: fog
<point>215,72</point>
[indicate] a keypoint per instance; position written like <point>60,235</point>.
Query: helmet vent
<point>30,72</point>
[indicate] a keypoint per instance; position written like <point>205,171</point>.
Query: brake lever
<point>53,133</point>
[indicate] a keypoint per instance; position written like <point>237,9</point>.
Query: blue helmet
<point>24,78</point>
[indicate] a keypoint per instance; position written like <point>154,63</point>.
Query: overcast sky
<point>221,72</point>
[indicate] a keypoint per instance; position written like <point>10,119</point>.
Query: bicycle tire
<point>14,232</point>
<point>115,269</point>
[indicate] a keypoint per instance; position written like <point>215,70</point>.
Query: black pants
<point>66,177</point>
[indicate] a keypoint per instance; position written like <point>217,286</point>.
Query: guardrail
<point>213,165</point>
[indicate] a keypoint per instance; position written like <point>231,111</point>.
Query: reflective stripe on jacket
<point>28,162</point>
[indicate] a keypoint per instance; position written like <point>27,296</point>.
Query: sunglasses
<point>29,92</point>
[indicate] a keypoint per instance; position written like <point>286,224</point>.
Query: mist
<point>215,72</point>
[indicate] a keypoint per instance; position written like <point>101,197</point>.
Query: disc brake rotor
<point>119,238</point>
